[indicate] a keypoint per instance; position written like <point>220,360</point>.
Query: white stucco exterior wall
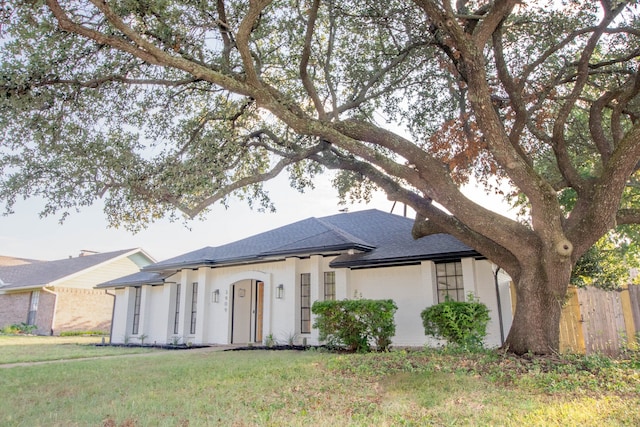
<point>119,321</point>
<point>404,285</point>
<point>412,287</point>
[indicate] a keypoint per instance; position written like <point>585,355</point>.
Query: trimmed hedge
<point>356,325</point>
<point>461,323</point>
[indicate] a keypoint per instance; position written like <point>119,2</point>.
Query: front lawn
<point>301,388</point>
<point>25,348</point>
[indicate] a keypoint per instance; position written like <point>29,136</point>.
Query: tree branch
<point>559,143</point>
<point>69,25</point>
<point>442,221</point>
<point>628,216</point>
<point>304,62</point>
<point>246,28</point>
<point>515,96</point>
<point>490,22</point>
<point>225,33</point>
<point>249,180</point>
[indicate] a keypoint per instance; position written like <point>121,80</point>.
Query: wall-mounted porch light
<point>216,295</point>
<point>280,291</point>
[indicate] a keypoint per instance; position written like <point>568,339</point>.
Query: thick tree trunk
<point>540,294</point>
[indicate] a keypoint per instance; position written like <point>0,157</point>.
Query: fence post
<point>571,333</point>
<point>627,312</point>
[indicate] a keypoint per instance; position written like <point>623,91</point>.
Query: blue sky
<point>24,234</point>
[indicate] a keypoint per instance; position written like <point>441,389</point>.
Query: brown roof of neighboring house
<point>7,261</point>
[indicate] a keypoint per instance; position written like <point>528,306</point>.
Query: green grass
<point>21,349</point>
<point>274,388</point>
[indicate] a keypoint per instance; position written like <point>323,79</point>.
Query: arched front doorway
<point>247,310</point>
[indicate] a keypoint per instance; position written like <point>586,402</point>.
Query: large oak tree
<point>163,107</point>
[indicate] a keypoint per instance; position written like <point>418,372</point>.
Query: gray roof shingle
<point>45,272</point>
<point>376,237</point>
<point>137,279</point>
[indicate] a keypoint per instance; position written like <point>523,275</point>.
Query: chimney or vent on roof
<point>85,252</point>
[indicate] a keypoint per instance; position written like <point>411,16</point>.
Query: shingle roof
<point>6,261</point>
<point>135,279</point>
<point>43,273</point>
<point>377,238</point>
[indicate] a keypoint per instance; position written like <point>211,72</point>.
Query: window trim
<point>176,319</point>
<point>453,286</point>
<point>33,307</point>
<point>194,307</point>
<point>329,285</point>
<point>137,299</point>
<point>305,305</point>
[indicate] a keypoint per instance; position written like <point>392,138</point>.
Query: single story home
<point>264,286</point>
<point>58,296</point>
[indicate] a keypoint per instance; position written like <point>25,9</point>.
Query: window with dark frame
<point>329,285</point>
<point>194,307</point>
<point>176,319</point>
<point>449,279</point>
<point>33,308</point>
<point>136,310</point>
<point>305,303</point>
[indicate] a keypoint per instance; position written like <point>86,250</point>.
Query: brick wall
<point>14,308</point>
<point>82,310</point>
<point>76,310</point>
<point>44,315</point>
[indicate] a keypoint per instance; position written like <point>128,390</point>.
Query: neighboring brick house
<point>59,296</point>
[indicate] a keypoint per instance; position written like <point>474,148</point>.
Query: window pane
<point>451,268</point>
<point>136,310</point>
<point>329,285</point>
<point>176,319</point>
<point>442,296</point>
<point>450,281</point>
<point>35,297</point>
<point>194,307</point>
<point>305,303</point>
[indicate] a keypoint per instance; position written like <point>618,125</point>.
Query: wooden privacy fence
<point>598,321</point>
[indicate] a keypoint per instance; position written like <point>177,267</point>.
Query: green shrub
<point>356,324</point>
<point>460,323</point>
<point>19,328</point>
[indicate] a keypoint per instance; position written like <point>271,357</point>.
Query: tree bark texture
<point>541,289</point>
